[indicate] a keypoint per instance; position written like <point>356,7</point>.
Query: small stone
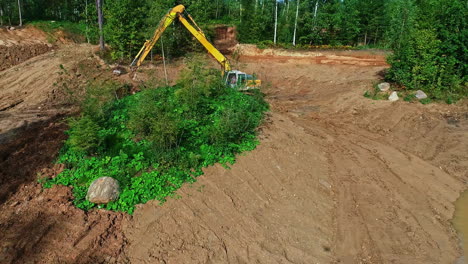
<point>103,190</point>
<point>393,97</point>
<point>384,86</point>
<point>117,72</point>
<point>12,28</point>
<point>420,95</point>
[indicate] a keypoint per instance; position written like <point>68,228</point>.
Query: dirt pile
<point>21,44</point>
<point>45,86</point>
<point>250,52</point>
<point>225,39</point>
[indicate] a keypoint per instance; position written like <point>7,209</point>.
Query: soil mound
<point>20,45</point>
<point>225,39</point>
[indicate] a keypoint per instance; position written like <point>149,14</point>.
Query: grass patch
<point>71,30</point>
<point>376,94</point>
<point>155,141</point>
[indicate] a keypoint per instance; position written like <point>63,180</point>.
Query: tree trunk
<point>295,23</point>
<point>164,61</point>
<point>276,20</point>
<point>19,10</point>
<point>87,23</point>
<point>315,13</point>
<point>101,34</point>
<point>1,16</point>
<point>240,12</point>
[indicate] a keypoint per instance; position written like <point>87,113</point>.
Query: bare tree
<point>295,23</point>
<point>100,22</point>
<point>315,12</point>
<point>276,20</point>
<point>19,10</point>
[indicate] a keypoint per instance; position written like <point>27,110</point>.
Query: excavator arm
<point>168,19</point>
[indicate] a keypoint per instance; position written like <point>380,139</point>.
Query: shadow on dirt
<point>32,148</point>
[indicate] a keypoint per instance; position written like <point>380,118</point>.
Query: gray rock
<point>420,95</point>
<point>103,190</point>
<point>117,72</point>
<point>393,97</point>
<point>384,86</point>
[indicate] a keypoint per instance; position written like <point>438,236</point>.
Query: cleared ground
<point>337,178</point>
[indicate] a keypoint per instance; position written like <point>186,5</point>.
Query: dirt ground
<point>337,178</point>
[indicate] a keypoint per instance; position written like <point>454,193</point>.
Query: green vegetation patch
<point>71,30</point>
<point>156,140</point>
<point>376,94</point>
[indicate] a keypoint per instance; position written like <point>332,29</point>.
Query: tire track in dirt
<point>239,217</point>
<point>337,178</point>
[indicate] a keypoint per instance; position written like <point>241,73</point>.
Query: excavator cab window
<point>231,79</point>
<point>241,80</point>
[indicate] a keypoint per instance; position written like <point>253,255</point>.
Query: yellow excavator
<point>233,78</point>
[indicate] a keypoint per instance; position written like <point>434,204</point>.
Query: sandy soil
<point>44,86</point>
<point>337,178</point>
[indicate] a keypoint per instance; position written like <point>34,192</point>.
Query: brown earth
<point>21,44</point>
<point>41,225</point>
<point>225,39</point>
<point>36,225</point>
<point>337,178</point>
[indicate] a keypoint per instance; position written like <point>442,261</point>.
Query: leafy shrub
<point>430,53</point>
<point>154,141</point>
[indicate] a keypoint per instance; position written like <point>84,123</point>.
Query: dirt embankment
<point>36,225</point>
<point>225,39</point>
<point>251,53</point>
<point>21,44</point>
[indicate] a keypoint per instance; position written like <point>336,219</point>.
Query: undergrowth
<point>156,140</point>
<point>71,30</point>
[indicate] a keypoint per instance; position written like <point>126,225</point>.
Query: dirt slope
<point>21,44</point>
<point>337,178</point>
<point>39,88</point>
<point>36,225</point>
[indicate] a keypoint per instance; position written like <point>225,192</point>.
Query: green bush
<point>430,52</point>
<point>154,141</point>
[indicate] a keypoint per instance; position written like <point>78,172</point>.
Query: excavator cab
<point>241,81</point>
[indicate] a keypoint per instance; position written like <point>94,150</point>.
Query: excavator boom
<point>168,19</point>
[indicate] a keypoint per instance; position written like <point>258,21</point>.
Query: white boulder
<point>393,97</point>
<point>383,87</point>
<point>103,190</point>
